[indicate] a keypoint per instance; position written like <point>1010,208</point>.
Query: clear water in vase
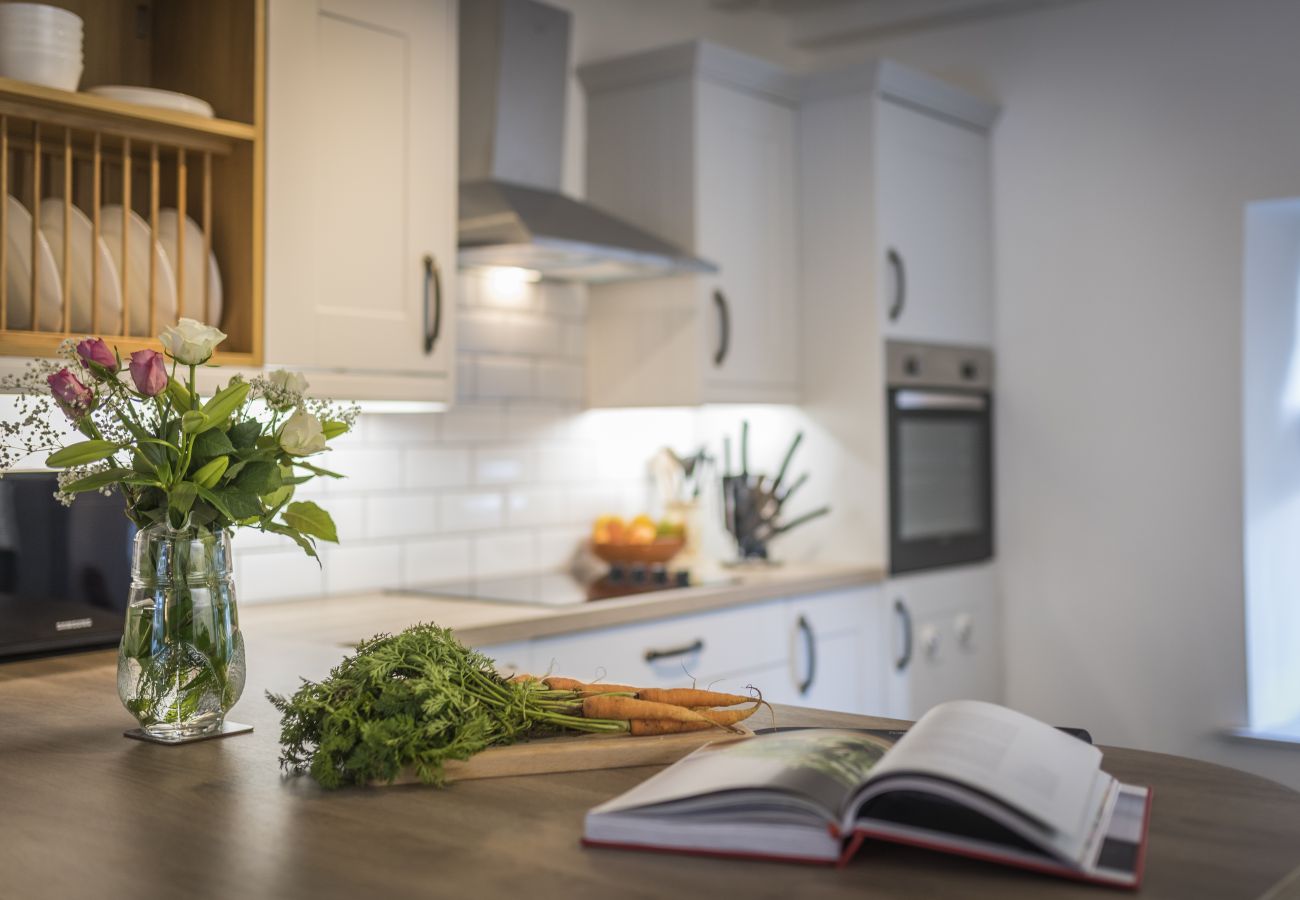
<point>180,666</point>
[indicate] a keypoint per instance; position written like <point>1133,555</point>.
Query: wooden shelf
<point>115,117</point>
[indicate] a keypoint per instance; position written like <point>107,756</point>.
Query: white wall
<point>1132,137</point>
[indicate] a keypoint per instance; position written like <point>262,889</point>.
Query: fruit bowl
<point>656,552</point>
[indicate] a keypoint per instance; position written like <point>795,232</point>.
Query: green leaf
<point>209,474</point>
<point>81,453</point>
<point>210,444</point>
<point>180,395</point>
<point>182,497</point>
<point>194,421</point>
<point>310,519</point>
<point>244,434</point>
<point>333,429</point>
<point>242,505</point>
<point>306,543</point>
<point>317,469</point>
<point>226,401</point>
<point>96,481</point>
<point>259,478</point>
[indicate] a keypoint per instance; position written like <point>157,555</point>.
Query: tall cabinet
<point>896,225</point>
<point>361,195</point>
<point>698,144</point>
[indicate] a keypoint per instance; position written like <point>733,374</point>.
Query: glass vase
<point>180,666</point>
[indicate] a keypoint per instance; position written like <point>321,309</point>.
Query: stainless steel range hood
<point>514,64</point>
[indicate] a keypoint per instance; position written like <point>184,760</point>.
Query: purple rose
<point>148,372</point>
<point>74,398</point>
<point>94,350</point>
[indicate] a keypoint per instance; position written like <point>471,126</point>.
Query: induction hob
<point>565,588</point>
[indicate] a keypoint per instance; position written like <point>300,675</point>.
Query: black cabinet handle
<point>900,284</point>
<point>432,298</point>
<point>694,647</point>
<point>901,610</point>
<point>810,641</point>
<point>724,320</point>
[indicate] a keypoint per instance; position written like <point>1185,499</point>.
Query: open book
<point>970,778</point>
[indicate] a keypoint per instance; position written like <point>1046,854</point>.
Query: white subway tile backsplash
<point>471,510</point>
<point>276,574</point>
<point>505,553</point>
<point>502,465</point>
<point>504,377</point>
<point>560,381</point>
<point>401,515</point>
<point>430,467</point>
<point>469,424</point>
<point>537,506</point>
<point>364,469</point>
<point>508,481</point>
<point>569,462</point>
<point>350,568</point>
<point>436,559</point>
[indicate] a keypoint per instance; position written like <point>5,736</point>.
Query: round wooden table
<point>87,813</point>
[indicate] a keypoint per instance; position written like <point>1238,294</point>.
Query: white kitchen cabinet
<point>826,650</point>
<point>361,195</point>
<point>697,144</point>
<point>934,215</point>
<point>946,637</point>
<point>511,658</point>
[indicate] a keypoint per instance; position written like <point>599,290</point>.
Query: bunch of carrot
<point>647,711</point>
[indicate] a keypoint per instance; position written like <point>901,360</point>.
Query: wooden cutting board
<point>580,753</point>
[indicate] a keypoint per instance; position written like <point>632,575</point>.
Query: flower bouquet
<point>190,470</point>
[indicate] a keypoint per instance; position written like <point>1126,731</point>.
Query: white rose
<point>190,343</point>
<point>302,435</point>
<point>290,382</point>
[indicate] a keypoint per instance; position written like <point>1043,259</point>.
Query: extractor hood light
<point>508,285</point>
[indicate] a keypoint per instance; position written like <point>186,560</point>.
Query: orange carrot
<point>646,727</point>
<point>727,716</point>
<point>627,708</point>
<point>556,683</point>
<point>691,697</point>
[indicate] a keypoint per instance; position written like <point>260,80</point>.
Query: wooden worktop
<point>334,620</point>
<point>86,813</point>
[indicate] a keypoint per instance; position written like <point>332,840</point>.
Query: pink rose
<point>74,398</point>
<point>148,372</point>
<point>94,350</point>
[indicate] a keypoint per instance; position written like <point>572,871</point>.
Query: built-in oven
<point>940,402</point>
<point>65,571</point>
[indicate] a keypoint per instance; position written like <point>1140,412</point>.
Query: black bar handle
<point>432,291</point>
<point>900,284</point>
<point>724,319</point>
<point>810,641</point>
<point>901,610</point>
<point>694,647</point>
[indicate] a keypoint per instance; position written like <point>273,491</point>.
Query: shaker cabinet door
<point>746,213</point>
<point>934,227</point>
<point>361,185</point>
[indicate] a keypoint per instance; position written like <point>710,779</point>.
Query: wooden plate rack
<point>93,152</point>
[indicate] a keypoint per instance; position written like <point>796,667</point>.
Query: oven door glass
<point>940,486</point>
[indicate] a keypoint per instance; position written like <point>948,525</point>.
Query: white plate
<point>137,273</point>
<point>80,235</point>
<point>18,274</point>
<point>191,298</point>
<point>49,69</point>
<point>154,97</point>
<point>43,13</point>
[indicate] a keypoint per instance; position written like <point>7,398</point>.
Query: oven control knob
<point>969,370</point>
<point>912,366</point>
<point>929,641</point>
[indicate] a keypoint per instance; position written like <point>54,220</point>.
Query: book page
<point>1044,774</point>
<point>822,767</point>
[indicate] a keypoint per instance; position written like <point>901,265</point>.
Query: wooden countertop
<point>85,812</point>
<point>334,620</point>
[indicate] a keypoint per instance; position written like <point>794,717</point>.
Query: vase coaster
<point>228,729</point>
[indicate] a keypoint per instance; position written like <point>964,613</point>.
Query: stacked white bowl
<point>41,44</point>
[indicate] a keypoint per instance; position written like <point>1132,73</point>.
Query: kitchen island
<point>87,813</point>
